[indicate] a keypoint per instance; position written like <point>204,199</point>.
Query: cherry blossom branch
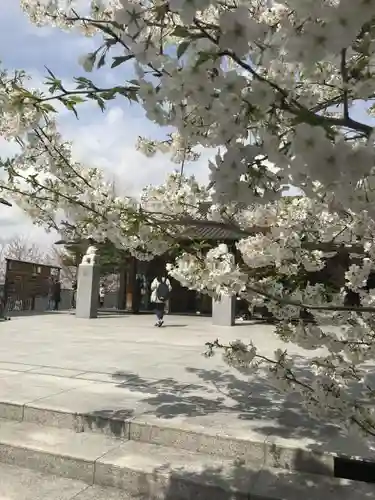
<point>72,201</point>
<point>85,92</point>
<point>344,75</point>
<point>301,305</point>
<point>292,378</point>
<point>14,189</point>
<point>299,111</point>
<point>40,132</point>
<point>104,27</point>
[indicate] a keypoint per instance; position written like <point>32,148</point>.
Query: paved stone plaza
<point>90,405</point>
<point>122,365</point>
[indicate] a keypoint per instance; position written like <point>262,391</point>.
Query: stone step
<point>17,483</point>
<point>149,411</point>
<point>252,447</point>
<point>154,472</point>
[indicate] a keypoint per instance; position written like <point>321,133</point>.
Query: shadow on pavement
<point>241,482</point>
<point>175,325</point>
<point>108,421</point>
<point>105,315</point>
<point>16,314</point>
<point>221,399</point>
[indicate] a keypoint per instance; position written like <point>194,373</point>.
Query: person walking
<point>74,294</point>
<point>101,295</point>
<point>160,291</point>
<point>51,284</point>
<point>3,305</point>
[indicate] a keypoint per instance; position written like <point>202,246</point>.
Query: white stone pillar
<point>223,311</point>
<point>87,299</point>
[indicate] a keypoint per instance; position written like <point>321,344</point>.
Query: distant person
<point>74,293</point>
<point>101,295</point>
<point>2,304</point>
<point>242,310</point>
<point>56,294</point>
<point>50,294</point>
<point>137,297</point>
<point>18,305</point>
<point>160,292</point>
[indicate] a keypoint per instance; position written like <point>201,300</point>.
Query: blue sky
<point>103,140</point>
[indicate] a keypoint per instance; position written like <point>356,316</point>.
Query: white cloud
<point>8,148</point>
<point>109,143</point>
<point>106,140</point>
<point>14,222</point>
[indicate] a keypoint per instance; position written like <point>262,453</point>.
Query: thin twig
<point>301,305</point>
<point>344,76</point>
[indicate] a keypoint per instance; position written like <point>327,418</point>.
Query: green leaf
<point>48,107</point>
<point>132,96</point>
<point>100,102</point>
<point>50,73</point>
<point>54,84</point>
<point>121,90</point>
<point>182,48</point>
<point>110,94</point>
<point>75,100</point>
<point>101,61</point>
<point>83,80</point>
<point>181,32</point>
<point>119,60</point>
<point>69,104</point>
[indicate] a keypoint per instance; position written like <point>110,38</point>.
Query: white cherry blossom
<point>274,87</point>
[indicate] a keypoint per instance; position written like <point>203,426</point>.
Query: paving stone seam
<point>95,462</point>
<point>2,362</point>
<point>36,367</point>
<point>49,396</point>
<point>87,487</point>
<point>79,375</point>
<point>17,371</point>
<point>71,377</point>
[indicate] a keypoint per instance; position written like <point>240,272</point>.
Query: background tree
<point>21,248</point>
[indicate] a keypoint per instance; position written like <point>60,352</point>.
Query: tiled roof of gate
<point>211,233</point>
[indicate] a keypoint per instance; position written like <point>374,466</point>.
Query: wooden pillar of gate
<point>122,289</point>
<point>131,284</point>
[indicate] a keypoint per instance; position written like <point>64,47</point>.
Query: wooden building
<point>27,281</point>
